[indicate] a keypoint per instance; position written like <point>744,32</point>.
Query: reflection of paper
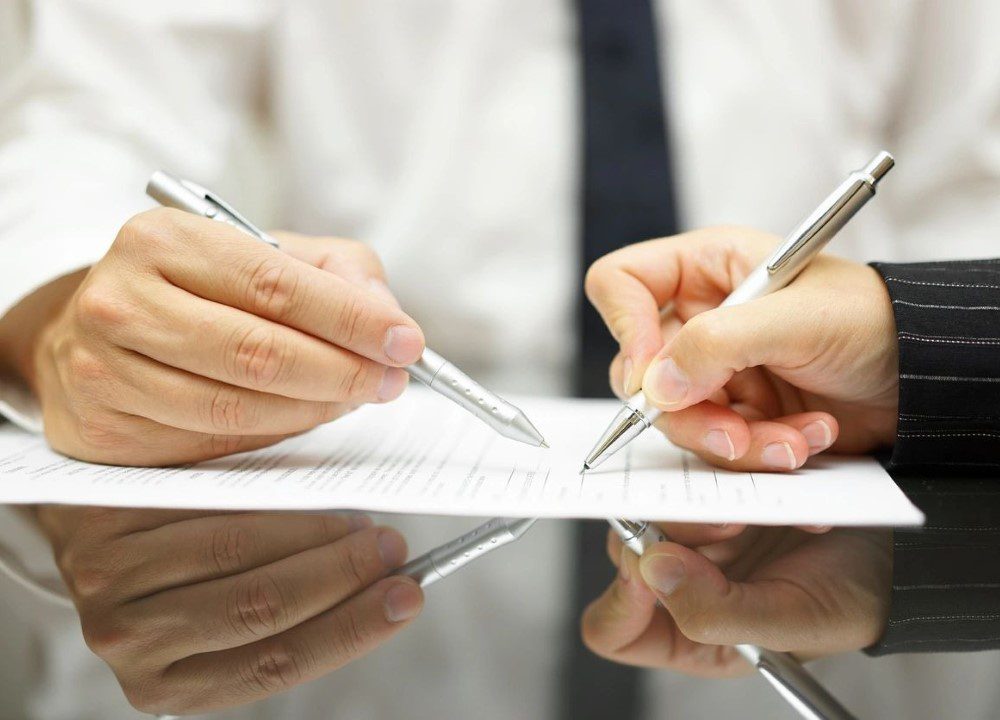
<point>422,454</point>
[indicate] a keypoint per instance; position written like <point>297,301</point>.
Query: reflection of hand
<point>764,384</point>
<point>190,340</point>
<point>811,594</point>
<point>197,611</point>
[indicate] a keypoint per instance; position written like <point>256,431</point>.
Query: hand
<point>189,340</point>
<point>765,384</point>
<point>811,594</point>
<point>197,611</point>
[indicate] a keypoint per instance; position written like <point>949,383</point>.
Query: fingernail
<point>393,383</point>
<point>403,344</point>
<point>626,376</point>
<point>818,435</point>
<point>623,571</point>
<point>402,602</point>
<point>779,455</point>
<point>379,287</point>
<point>669,385</point>
<point>719,443</point>
<point>663,573</point>
<point>392,548</point>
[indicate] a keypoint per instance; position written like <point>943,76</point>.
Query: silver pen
<point>785,674</point>
<point>445,559</point>
<point>431,369</point>
<point>791,258</point>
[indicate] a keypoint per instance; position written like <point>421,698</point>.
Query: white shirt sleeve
<point>103,93</point>
<point>100,94</point>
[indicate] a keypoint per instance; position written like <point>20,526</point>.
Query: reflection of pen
<point>442,561</point>
<point>431,369</point>
<point>785,673</point>
<point>799,248</point>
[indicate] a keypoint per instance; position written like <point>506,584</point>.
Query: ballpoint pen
<point>431,369</point>
<point>791,257</point>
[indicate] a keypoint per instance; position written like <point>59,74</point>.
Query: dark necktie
<point>626,198</point>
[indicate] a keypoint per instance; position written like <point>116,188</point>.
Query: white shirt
<point>445,134</point>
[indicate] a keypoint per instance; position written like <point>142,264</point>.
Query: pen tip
<point>544,445</point>
<point>585,468</point>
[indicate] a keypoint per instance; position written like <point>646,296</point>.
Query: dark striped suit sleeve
<point>946,575</point>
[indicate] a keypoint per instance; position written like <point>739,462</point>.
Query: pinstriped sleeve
<point>946,575</point>
<point>948,327</point>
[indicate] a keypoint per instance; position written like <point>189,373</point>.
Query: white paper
<point>422,454</point>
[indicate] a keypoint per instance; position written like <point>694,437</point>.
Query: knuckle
<point>85,370</point>
<point>229,547</point>
<point>257,607</point>
<point>351,636</point>
<point>100,307</point>
<point>359,565</point>
<point>593,281</point>
<point>259,357</point>
<point>271,670</point>
<point>219,444</point>
<point>698,626</point>
<point>592,639</point>
<point>148,230</point>
<point>109,637</point>
<point>353,320</point>
<point>272,288</point>
<point>356,380</point>
<point>154,696</point>
<point>329,528</point>
<point>704,332</point>
<point>135,230</point>
<point>618,324</point>
<point>87,574</point>
<point>95,431</point>
<point>228,411</point>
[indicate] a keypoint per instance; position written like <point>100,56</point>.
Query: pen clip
<point>234,215</point>
<point>817,229</point>
<point>817,225</point>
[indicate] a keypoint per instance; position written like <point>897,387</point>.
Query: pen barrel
<point>813,233</point>
<point>637,535</point>
<point>171,192</point>
<point>799,688</point>
<point>446,559</point>
<point>447,380</point>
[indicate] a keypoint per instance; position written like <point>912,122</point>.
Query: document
<point>422,454</point>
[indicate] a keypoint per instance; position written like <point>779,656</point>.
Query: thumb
<point>708,608</point>
<point>714,345</point>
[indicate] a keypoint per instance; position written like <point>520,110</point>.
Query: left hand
<point>809,593</point>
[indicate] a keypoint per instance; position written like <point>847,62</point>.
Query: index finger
<point>222,264</point>
<point>628,288</point>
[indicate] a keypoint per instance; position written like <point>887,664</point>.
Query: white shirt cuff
<point>20,406</point>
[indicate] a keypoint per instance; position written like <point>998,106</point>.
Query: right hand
<point>190,340</point>
<point>197,611</point>
<point>757,386</point>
